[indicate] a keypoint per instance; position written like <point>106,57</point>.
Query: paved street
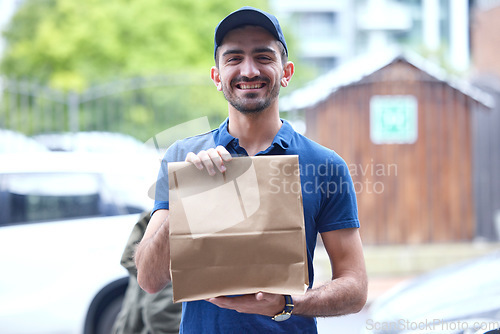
<point>388,266</point>
<point>350,324</point>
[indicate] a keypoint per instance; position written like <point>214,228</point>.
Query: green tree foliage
<point>76,45</point>
<point>72,44</point>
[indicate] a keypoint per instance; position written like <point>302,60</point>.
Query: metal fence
<point>136,106</point>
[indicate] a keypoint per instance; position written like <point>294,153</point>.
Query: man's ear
<point>214,74</point>
<point>287,73</point>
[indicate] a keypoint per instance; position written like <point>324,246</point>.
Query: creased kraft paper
<point>238,232</point>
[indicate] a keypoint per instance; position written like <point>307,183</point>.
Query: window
<point>37,197</point>
<point>318,25</point>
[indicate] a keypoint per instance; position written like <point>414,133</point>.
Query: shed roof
<point>356,70</point>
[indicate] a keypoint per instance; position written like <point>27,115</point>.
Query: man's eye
<point>264,58</point>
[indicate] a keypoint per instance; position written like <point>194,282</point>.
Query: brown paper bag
<point>239,232</point>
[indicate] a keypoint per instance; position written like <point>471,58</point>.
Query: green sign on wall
<point>393,119</point>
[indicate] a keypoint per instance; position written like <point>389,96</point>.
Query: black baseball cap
<point>248,16</point>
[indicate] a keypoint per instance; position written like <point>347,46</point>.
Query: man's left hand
<point>258,303</point>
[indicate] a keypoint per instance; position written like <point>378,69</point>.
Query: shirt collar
<point>224,137</point>
<point>283,138</point>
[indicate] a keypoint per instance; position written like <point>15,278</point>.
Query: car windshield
<point>37,197</point>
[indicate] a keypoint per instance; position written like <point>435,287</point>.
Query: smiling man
<point>251,86</point>
<point>251,65</point>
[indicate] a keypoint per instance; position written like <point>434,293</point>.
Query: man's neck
<point>255,132</point>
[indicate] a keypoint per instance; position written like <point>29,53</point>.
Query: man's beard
<point>249,103</point>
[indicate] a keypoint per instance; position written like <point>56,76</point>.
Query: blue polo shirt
<point>329,202</point>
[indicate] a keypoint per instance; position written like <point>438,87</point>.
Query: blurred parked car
<point>65,218</point>
<point>90,141</point>
<point>460,299</point>
<point>12,142</point>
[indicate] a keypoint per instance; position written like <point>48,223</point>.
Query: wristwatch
<point>287,311</point>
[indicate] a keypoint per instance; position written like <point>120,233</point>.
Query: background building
<point>330,32</point>
<point>485,73</point>
<point>485,42</point>
<point>440,131</point>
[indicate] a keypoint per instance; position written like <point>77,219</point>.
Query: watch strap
<point>287,311</point>
<point>288,304</point>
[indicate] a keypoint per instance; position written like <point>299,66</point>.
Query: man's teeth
<point>254,86</point>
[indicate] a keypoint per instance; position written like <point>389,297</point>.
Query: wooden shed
<point>405,131</point>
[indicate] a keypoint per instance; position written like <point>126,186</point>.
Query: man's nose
<point>249,69</point>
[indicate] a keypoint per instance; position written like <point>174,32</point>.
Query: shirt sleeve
<point>177,152</point>
<point>161,189</point>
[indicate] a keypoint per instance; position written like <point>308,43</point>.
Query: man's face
<point>250,69</point>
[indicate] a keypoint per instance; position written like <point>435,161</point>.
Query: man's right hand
<point>209,159</point>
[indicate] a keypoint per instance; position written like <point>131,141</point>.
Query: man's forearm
<point>152,259</point>
<point>341,296</point>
